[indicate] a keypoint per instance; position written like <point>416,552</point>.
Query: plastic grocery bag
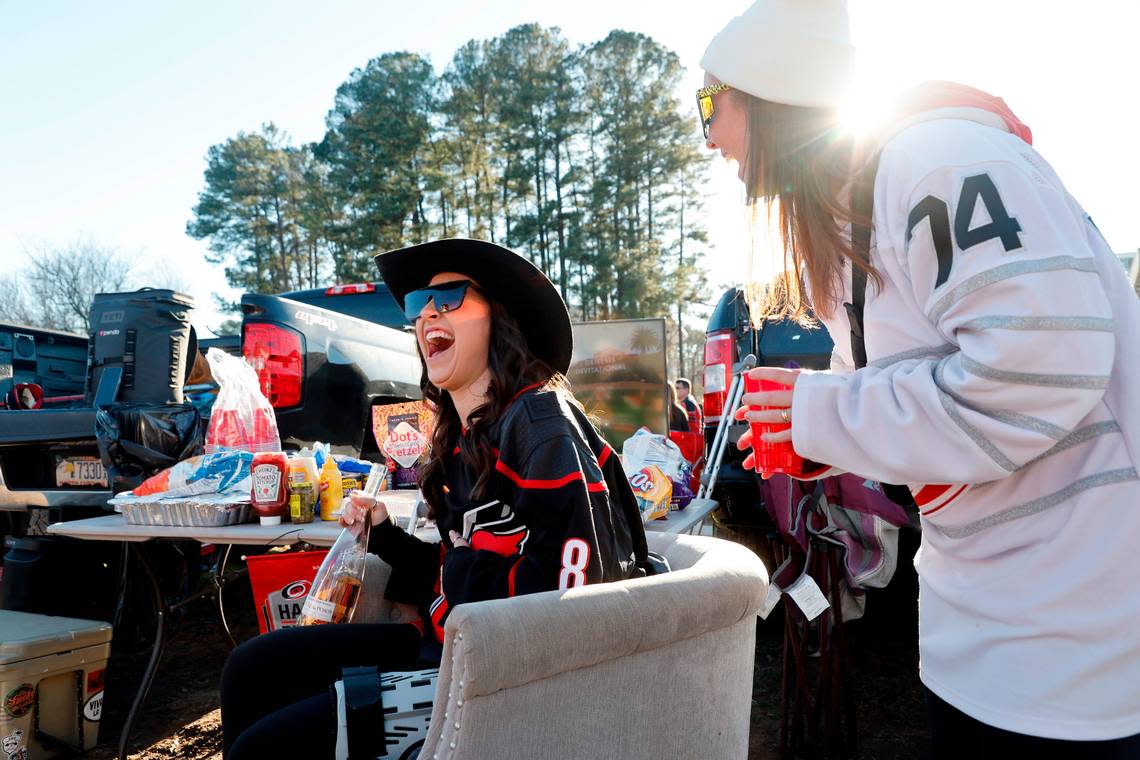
<point>242,418</point>
<point>645,448</point>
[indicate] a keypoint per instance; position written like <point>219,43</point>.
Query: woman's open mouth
<point>437,341</point>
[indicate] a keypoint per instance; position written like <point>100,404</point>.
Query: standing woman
<point>525,493</point>
<point>999,337</point>
<point>678,416</point>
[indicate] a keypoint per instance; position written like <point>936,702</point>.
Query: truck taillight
<point>343,290</point>
<point>277,355</point>
<point>719,358</point>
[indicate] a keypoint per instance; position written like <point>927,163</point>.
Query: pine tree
<point>379,150</point>
<point>251,211</point>
<point>580,158</point>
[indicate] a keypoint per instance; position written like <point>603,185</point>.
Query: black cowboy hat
<point>505,276</point>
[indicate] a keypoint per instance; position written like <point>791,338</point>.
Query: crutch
<point>720,439</point>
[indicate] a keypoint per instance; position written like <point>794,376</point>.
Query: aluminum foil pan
<point>187,514</point>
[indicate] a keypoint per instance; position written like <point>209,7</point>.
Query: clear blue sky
<point>107,109</point>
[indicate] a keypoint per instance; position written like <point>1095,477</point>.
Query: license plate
<point>80,471</point>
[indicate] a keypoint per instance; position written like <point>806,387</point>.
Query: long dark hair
<point>798,156</point>
<point>513,368</point>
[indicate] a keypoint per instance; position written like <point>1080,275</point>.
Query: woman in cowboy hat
<point>985,357</point>
<point>525,493</point>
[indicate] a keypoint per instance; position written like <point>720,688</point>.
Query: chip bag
<point>654,491</point>
<point>403,433</point>
<point>226,473</point>
<point>682,492</point>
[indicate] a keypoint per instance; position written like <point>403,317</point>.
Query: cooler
<point>51,684</point>
<point>148,334</point>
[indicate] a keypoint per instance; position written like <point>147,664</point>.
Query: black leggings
<point>956,735</point>
<point>275,688</point>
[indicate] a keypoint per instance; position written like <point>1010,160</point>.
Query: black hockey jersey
<point>559,513</point>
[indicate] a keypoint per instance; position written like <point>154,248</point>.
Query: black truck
<point>729,338</point>
<point>324,358</point>
<point>48,455</point>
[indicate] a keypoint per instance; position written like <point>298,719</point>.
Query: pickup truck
<point>729,337</point>
<point>324,358</point>
<point>45,452</point>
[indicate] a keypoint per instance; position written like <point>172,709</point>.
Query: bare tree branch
<point>61,281</point>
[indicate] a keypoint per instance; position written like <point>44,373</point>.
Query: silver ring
<point>785,415</point>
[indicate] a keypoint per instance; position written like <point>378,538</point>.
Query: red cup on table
<point>772,458</point>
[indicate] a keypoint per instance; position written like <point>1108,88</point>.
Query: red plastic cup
<point>772,458</point>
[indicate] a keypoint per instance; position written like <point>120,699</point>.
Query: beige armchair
<point>655,667</point>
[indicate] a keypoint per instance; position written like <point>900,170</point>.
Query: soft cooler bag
<point>147,333</point>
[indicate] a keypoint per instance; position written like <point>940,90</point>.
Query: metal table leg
<point>220,584</point>
<point>161,610</point>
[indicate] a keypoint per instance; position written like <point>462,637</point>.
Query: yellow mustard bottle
<point>332,491</point>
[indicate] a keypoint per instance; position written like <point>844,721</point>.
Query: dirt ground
<point>181,719</point>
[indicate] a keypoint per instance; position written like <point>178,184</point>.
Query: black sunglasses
<point>447,296</point>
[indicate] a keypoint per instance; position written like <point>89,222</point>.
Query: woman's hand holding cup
<point>356,504</point>
<point>766,406</point>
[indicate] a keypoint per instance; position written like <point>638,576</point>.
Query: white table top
<point>683,520</point>
<point>319,533</point>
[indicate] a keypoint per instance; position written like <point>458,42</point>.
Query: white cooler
<point>51,684</point>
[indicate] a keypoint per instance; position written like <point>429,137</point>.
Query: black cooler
<point>147,333</point>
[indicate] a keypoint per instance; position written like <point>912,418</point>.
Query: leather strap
<point>364,712</point>
<point>863,205</point>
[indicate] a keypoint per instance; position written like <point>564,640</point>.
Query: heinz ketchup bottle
<point>269,472</point>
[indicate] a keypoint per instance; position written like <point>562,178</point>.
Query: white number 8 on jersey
<point>575,560</point>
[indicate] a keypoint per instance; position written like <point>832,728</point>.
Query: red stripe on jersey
<point>511,577</point>
<point>544,484</point>
<point>438,611</point>
<point>605,455</point>
<point>927,494</point>
<point>524,390</point>
<point>951,498</point>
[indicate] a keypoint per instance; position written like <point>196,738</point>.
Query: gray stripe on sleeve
<point>1026,422</point>
<point>983,443</point>
<point>1088,382</point>
<point>1015,419</point>
<point>996,322</point>
<point>1005,272</point>
<point>1108,477</point>
<point>1077,437</point>
<point>922,352</point>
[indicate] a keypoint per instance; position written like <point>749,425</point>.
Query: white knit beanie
<point>796,52</point>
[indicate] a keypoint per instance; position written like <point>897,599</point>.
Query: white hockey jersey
<point>1002,352</point>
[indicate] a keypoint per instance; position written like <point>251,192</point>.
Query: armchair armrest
<point>540,635</point>
<point>646,668</point>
